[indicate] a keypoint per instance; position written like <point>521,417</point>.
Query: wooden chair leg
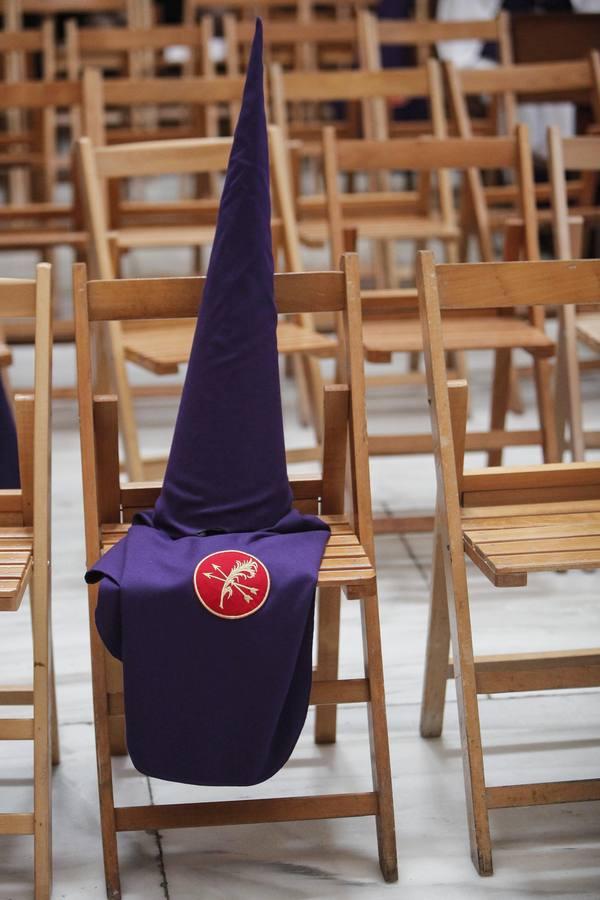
<point>328,651</point>
<point>561,400</point>
<point>465,219</point>
<point>300,377</point>
<point>463,245</point>
<point>389,261</point>
<point>542,374</point>
<point>314,381</point>
<point>54,710</point>
<point>378,735</point>
<point>456,361</point>
<point>103,756</point>
<point>567,387</point>
<point>116,722</point>
<point>468,709</point>
<point>381,265</point>
<point>438,647</point>
<point>515,399</point>
<point>414,360</point>
<point>102,366</point>
<point>133,459</point>
<point>500,400</point>
<point>42,767</point>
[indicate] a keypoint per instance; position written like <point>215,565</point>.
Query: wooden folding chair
<point>578,81</point>
<point>112,102</point>
<point>391,316</point>
<point>116,48</point>
<point>44,223</point>
<point>347,563</point>
<point>510,521</point>
<point>370,91</point>
<point>28,137</point>
<point>162,347</point>
<point>426,212</point>
<point>577,155</point>
<point>304,44</point>
<point>424,35</point>
<point>25,563</point>
<point>138,53</point>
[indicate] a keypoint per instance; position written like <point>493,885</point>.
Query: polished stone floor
<point>543,852</point>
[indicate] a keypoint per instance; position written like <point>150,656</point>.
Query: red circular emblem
<point>231,584</point>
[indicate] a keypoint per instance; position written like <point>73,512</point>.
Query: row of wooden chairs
<point>315,223</point>
<point>510,522</point>
<point>495,558</point>
<point>203,98</point>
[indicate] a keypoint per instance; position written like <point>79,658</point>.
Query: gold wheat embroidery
<point>241,569</point>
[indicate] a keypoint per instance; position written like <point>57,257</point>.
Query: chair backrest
<point>21,50</point>
<point>248,9</point>
<point>534,82</point>
<point>116,301</point>
<point>426,34</point>
<point>468,286</point>
<point>426,156</point>
<point>30,505</point>
<point>37,95</point>
<point>98,165</point>
<point>11,15</point>
<point>139,52</point>
<point>303,44</point>
<point>373,89</point>
<point>201,95</point>
<point>576,154</point>
<point>79,7</point>
<point>43,98</point>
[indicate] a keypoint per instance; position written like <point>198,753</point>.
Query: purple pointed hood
<point>226,468</point>
<point>209,598</point>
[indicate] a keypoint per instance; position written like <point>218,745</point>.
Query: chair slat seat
<point>344,564</point>
<point>386,336</point>
<point>506,543</point>
<point>16,562</point>
<point>162,348</point>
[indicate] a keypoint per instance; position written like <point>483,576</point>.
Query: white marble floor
<point>544,852</point>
